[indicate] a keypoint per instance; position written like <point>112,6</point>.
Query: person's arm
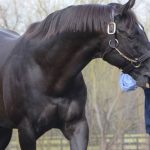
<point>127,83</point>
<point>147,110</point>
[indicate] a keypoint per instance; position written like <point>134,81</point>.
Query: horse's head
<point>127,44</point>
<point>108,31</point>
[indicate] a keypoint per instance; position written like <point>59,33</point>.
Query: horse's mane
<point>80,18</point>
<point>73,19</point>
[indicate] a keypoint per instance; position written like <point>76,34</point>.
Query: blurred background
<point>116,119</point>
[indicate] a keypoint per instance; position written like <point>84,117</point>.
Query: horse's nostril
<point>147,74</point>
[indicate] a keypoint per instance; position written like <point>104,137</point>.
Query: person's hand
<point>127,83</point>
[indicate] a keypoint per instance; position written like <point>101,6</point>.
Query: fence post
<point>122,142</point>
<point>61,144</point>
<point>137,141</point>
<point>148,138</point>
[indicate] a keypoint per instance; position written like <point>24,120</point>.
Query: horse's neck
<point>66,60</point>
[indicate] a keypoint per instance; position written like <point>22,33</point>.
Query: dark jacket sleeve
<point>147,110</point>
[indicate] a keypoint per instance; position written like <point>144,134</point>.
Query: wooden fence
<point>127,142</point>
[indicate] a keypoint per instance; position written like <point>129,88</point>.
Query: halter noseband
<point>113,43</point>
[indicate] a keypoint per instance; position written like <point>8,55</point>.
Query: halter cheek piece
<point>114,43</point>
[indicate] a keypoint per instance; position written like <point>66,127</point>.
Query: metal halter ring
<point>136,64</point>
<point>114,45</point>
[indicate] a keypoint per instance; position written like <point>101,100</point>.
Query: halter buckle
<point>111,28</point>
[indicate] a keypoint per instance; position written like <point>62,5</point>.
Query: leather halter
<point>113,43</point>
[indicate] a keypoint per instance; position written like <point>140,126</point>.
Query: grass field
<point>128,142</point>
<point>46,143</point>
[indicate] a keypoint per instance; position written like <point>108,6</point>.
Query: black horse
<point>41,84</point>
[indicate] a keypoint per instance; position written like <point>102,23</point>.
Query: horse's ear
<point>126,7</point>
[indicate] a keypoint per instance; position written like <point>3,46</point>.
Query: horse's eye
<point>131,37</point>
<point>118,31</point>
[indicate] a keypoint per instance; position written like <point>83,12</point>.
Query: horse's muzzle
<point>143,81</point>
